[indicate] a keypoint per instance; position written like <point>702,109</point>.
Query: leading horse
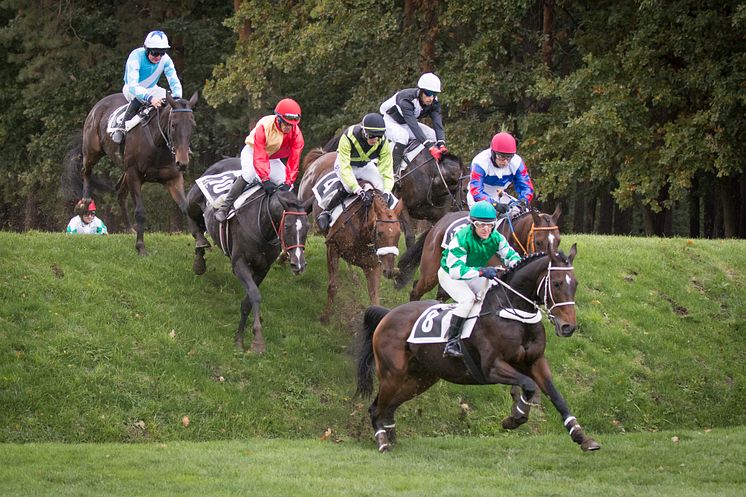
<point>156,151</point>
<point>501,350</point>
<point>365,236</point>
<point>528,232</point>
<point>263,228</point>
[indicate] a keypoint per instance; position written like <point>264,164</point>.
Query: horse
<point>156,151</point>
<point>528,232</point>
<point>263,228</point>
<point>367,237</point>
<point>499,350</point>
<point>428,188</point>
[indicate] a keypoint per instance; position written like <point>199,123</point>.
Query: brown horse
<point>263,229</point>
<point>154,152</point>
<point>367,237</point>
<point>428,188</point>
<point>501,350</point>
<point>527,233</point>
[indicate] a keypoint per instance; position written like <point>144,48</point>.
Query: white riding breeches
<point>400,133</point>
<point>277,170</point>
<point>368,172</point>
<point>464,292</point>
<point>155,91</point>
<point>494,192</point>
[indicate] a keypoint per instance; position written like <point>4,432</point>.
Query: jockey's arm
<point>261,159</point>
<point>407,112</point>
<point>435,115</point>
<point>476,183</point>
<point>523,185</point>
<point>293,163</point>
<point>344,151</point>
<point>509,256</point>
<point>455,262</point>
<point>172,78</point>
<point>386,166</point>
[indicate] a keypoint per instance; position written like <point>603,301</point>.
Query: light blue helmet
<point>482,211</point>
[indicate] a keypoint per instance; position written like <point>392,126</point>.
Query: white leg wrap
<point>574,428</point>
<point>387,250</point>
<point>520,410</point>
<point>569,418</point>
<point>379,432</point>
<point>524,400</point>
<point>388,427</point>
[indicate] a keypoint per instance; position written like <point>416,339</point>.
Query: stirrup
<point>117,136</point>
<point>453,349</point>
<point>323,221</point>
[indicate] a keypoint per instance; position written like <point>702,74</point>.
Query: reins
<point>432,180</point>
<point>167,139</point>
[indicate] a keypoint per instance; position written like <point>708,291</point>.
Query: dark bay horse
<point>367,237</point>
<point>156,152</point>
<point>527,233</point>
<point>503,351</point>
<point>263,228</point>
<point>429,188</point>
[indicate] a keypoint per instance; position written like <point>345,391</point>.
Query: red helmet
<point>503,143</point>
<point>288,110</point>
<point>84,207</point>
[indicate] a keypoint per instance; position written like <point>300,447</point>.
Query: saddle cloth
<point>143,116</point>
<point>456,225</point>
<point>327,186</point>
<point>216,186</point>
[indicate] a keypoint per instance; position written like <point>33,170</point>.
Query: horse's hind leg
<point>135,188</point>
<point>541,373</point>
<point>519,411</point>
<point>122,192</point>
<point>199,266</point>
<point>249,304</point>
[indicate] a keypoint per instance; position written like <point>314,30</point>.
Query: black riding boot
<point>453,347</point>
<point>397,155</point>
<point>325,216</point>
<point>132,109</point>
<point>235,191</point>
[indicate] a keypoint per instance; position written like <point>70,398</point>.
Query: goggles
<point>484,224</point>
<point>372,134</point>
<point>502,156</point>
<point>154,52</point>
<point>429,93</point>
<point>89,213</point>
<point>288,118</point>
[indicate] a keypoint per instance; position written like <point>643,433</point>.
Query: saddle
<point>143,116</point>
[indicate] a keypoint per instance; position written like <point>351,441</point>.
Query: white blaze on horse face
<point>551,240</point>
<point>298,228</point>
<point>567,279</point>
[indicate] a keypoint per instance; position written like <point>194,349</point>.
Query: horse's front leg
<point>250,304</point>
<point>543,376</point>
<point>332,263</point>
<point>135,187</point>
<point>407,227</point>
<point>523,389</point>
<point>373,277</point>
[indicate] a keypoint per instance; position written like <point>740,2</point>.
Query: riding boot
<point>453,347</point>
<point>235,191</point>
<point>325,216</point>
<point>397,155</point>
<point>132,109</point>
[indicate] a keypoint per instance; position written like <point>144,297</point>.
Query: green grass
<point>674,463</point>
<point>100,345</point>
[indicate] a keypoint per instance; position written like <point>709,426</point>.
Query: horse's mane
<point>507,275</point>
<point>289,200</point>
<point>311,156</point>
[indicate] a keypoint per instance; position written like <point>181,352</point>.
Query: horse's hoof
<point>199,267</point>
<point>143,253</point>
<point>384,448</point>
<point>203,244</point>
<point>511,423</point>
<point>589,445</point>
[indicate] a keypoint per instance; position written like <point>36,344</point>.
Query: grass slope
<point>99,345</point>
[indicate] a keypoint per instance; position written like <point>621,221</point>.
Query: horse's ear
<point>536,217</point>
<point>398,207</point>
<point>170,100</point>
<point>573,252</point>
<point>308,205</point>
<point>193,100</point>
<point>557,213</point>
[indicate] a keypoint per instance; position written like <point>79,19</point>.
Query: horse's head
<point>557,291</point>
<point>291,227</point>
<point>545,231</point>
<point>386,231</point>
<point>181,123</point>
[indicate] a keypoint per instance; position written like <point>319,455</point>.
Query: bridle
<point>280,229</point>
<point>531,239</point>
<point>167,136</point>
<point>378,250</point>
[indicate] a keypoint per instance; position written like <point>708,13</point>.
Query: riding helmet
<point>503,143</point>
<point>373,125</point>
<point>288,110</point>
<point>156,39</point>
<point>482,211</point>
<point>429,82</point>
<point>84,206</point>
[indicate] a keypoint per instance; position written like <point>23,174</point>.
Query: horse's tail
<point>71,180</point>
<point>409,261</point>
<point>311,156</point>
<point>365,360</point>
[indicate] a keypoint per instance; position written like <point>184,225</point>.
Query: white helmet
<point>430,82</point>
<point>156,39</point>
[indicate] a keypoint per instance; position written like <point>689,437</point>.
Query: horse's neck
<point>526,279</point>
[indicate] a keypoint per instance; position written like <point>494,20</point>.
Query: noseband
<point>548,290</point>
<point>280,230</point>
<point>167,139</point>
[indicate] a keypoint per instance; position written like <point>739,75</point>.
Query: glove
<point>284,187</point>
<point>365,197</point>
<point>435,152</point>
<point>269,187</point>
<point>442,146</point>
<point>500,208</point>
<point>488,272</point>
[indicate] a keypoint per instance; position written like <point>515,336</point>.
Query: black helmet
<point>373,125</point>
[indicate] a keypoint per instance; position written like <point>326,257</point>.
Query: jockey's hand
<point>500,208</point>
<point>488,272</point>
<point>156,102</point>
<point>284,187</point>
<point>435,152</point>
<point>365,197</point>
<point>442,146</point>
<point>269,187</point>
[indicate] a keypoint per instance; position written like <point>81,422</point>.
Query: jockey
<point>363,154</point>
<point>462,273</point>
<point>402,110</point>
<point>142,71</point>
<point>85,222</point>
<point>276,136</point>
<point>495,169</point>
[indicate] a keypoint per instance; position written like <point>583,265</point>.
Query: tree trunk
<point>589,221</point>
<point>693,202</point>
<point>710,208</point>
<point>742,204</point>
<point>245,31</point>
<point>578,214</point>
<point>622,221</point>
<point>606,212</point>
<point>728,194</point>
<point>547,41</point>
<point>430,28</point>
<point>29,211</point>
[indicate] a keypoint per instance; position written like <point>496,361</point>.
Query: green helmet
<point>482,211</point>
